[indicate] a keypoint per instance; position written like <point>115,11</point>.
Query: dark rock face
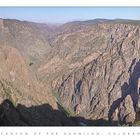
<point>108,86</point>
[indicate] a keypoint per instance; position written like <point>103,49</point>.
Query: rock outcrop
<point>126,111</point>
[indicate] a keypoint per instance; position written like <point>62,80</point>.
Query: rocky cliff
<point>104,84</point>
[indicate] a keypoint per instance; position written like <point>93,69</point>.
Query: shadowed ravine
<point>42,115</point>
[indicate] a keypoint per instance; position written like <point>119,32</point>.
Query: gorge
<point>77,73</point>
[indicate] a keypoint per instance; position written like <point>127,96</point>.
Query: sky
<point>66,14</point>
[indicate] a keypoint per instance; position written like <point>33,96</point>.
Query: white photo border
<point>81,133</point>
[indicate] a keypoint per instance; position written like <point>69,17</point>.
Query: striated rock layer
<point>107,87</point>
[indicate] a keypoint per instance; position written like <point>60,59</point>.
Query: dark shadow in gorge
<point>42,115</point>
<point>130,88</point>
<point>133,83</point>
<point>45,115</point>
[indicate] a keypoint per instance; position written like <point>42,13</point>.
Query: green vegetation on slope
<point>7,92</point>
<point>68,112</point>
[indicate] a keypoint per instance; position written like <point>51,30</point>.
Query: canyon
<point>77,73</point>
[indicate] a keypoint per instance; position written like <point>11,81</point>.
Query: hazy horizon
<point>66,21</point>
<point>60,15</point>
